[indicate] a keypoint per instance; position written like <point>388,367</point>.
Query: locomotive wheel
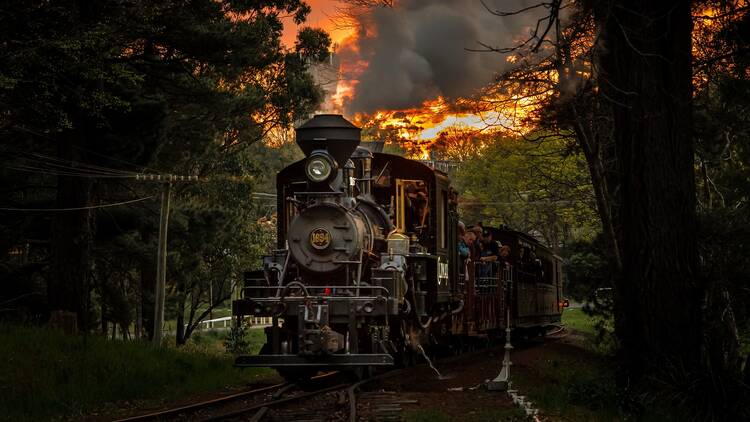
<point>290,374</point>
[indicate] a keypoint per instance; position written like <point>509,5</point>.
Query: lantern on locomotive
<point>336,285</point>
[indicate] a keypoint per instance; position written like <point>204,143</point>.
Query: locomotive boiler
<point>366,266</point>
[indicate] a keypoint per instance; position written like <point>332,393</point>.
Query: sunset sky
<point>320,17</point>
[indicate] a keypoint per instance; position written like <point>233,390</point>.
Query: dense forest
<point>633,163</point>
<point>94,95</point>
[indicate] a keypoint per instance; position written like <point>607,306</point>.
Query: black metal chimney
<point>329,132</point>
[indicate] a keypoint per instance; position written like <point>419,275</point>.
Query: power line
<point>49,138</point>
<point>117,160</point>
<point>71,164</point>
<point>55,172</point>
<point>81,208</point>
<point>43,164</point>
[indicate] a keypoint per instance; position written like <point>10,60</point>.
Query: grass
<point>597,331</point>
<point>46,374</point>
<point>574,384</point>
<point>576,319</point>
<point>212,341</point>
<point>572,388</point>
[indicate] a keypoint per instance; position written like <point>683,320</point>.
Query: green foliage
<point>266,161</point>
<point>244,340</point>
<point>46,374</point>
<point>540,187</point>
<point>586,269</point>
<point>236,342</point>
<point>147,87</point>
<point>578,320</point>
<point>597,328</point>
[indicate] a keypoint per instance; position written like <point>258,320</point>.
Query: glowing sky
<point>320,17</point>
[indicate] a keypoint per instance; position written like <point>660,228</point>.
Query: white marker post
<point>502,381</point>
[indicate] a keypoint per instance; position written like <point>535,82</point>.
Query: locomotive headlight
<point>319,167</point>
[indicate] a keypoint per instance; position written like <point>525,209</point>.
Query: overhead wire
<point>91,207</point>
<point>53,165</point>
<point>53,172</point>
<point>76,164</point>
<point>46,137</point>
<point>117,160</point>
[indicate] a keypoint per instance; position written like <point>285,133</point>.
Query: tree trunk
<point>147,287</point>
<point>104,319</point>
<point>180,338</point>
<point>139,313</point>
<point>71,238</point>
<point>645,51</point>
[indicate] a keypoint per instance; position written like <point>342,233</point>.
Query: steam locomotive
<point>367,266</point>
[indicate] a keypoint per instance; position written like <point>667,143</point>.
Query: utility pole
<point>161,258</point>
<point>161,264</point>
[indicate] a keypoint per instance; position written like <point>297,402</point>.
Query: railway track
<point>288,402</point>
<point>281,402</point>
<point>251,405</point>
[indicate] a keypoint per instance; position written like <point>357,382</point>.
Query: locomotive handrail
<point>291,285</point>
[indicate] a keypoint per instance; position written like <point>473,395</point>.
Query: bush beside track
<point>46,374</point>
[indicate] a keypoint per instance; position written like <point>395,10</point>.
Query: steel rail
<point>281,388</point>
<point>203,404</point>
<point>559,330</point>
<point>263,410</point>
<point>272,403</point>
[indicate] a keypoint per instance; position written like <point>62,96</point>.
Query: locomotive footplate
<point>337,360</point>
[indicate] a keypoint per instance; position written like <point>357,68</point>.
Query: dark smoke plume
<point>417,50</point>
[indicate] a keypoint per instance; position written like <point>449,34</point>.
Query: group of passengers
<point>476,244</point>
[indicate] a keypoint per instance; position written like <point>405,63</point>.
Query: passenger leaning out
<point>463,247</point>
<point>489,254</point>
<point>505,256</point>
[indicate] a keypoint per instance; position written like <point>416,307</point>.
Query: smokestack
<point>329,132</point>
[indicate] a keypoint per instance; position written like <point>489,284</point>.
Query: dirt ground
<point>461,394</point>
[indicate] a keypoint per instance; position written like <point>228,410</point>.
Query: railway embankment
<point>48,375</point>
